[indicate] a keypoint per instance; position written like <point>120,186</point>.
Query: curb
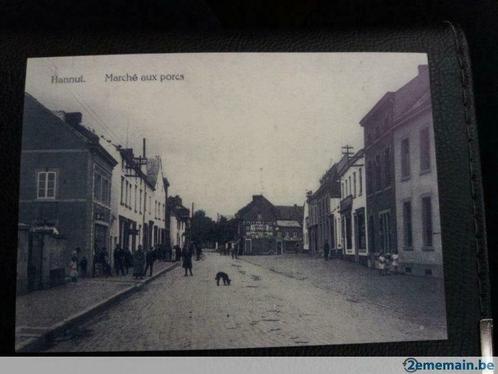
<point>37,343</point>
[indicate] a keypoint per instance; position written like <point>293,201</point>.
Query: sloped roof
<point>153,168</point>
<point>290,213</point>
<point>402,99</point>
<point>91,139</point>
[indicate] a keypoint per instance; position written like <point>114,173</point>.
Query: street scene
<point>176,202</point>
<point>259,309</point>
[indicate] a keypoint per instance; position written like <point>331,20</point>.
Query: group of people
<point>387,263</point>
<point>143,261</point>
<point>229,248</point>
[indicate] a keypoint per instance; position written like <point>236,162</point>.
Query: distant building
<point>352,208</point>
<point>306,237</point>
<point>417,198</point>
<point>320,226</point>
<point>268,229</point>
<point>157,211</point>
<point>65,181</point>
<point>130,185</point>
<point>179,220</point>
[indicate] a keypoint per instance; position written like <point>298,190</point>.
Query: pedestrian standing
<point>150,256</point>
<point>198,251</point>
<point>139,263</point>
<point>73,269</point>
<point>382,264</point>
<point>127,260</point>
<point>394,263</point>
<point>117,259</point>
<point>83,266</point>
<point>326,250</point>
<point>187,259</point>
<point>178,252</point>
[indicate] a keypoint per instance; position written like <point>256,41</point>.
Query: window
<point>101,189</point>
<point>407,225</point>
<point>46,185</point>
<point>342,190</point>
<point>405,158</point>
<point>350,188</point>
<point>348,231</point>
<point>385,231</point>
<point>122,191</point>
<point>371,234</point>
<point>97,187</point>
<point>135,204</point>
<point>370,178</point>
<point>360,181</point>
<point>425,150</point>
<point>354,184</point>
<point>360,229</point>
<point>378,175</point>
<point>427,231</point>
<point>140,202</point>
<point>387,167</point>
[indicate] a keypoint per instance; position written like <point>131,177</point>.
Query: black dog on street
<point>224,276</point>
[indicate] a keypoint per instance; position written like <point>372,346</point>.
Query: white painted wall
<point>418,185</point>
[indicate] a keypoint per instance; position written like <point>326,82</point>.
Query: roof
<point>284,223</point>
<point>91,139</point>
<point>404,98</point>
<point>289,213</point>
<point>129,157</point>
<point>153,168</point>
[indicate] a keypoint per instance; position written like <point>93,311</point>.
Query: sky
<point>238,124</point>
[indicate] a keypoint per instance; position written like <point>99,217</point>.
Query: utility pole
<point>347,150</point>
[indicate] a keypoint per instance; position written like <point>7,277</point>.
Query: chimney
<point>423,69</point>
<point>73,118</point>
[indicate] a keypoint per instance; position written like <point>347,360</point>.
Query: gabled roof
<point>290,213</point>
<point>400,101</point>
<point>153,168</point>
<point>91,139</point>
<point>256,199</point>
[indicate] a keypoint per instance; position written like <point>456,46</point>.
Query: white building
<point>138,200</point>
<point>306,237</point>
<point>352,208</point>
<point>417,199</point>
<point>156,213</point>
<point>179,219</point>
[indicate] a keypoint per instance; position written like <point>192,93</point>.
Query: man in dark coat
<point>139,263</point>
<point>178,252</point>
<point>118,255</point>
<point>326,250</point>
<point>150,257</point>
<point>187,259</point>
<point>127,259</point>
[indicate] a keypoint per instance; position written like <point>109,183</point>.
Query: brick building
<point>65,179</point>
<point>268,229</point>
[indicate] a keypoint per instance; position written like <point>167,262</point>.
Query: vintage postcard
<point>228,200</point>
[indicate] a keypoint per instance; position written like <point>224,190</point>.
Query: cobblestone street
<point>261,308</point>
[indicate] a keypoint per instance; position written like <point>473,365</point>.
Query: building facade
<point>264,228</point>
<point>417,199</point>
<point>65,181</point>
<point>321,227</point>
<point>179,221</point>
<point>380,188</point>
<point>352,208</point>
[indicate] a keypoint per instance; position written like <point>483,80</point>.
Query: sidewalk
<point>42,314</point>
<point>417,299</point>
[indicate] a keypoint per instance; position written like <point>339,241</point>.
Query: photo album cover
<point>199,201</point>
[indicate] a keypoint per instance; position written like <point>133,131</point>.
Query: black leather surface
<point>467,287</point>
